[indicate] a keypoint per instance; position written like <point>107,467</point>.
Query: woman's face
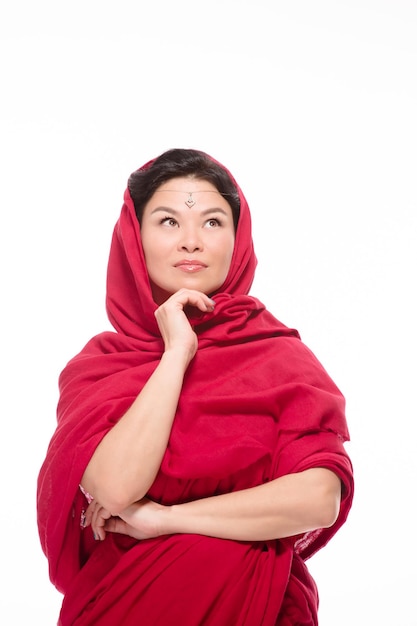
<point>188,237</point>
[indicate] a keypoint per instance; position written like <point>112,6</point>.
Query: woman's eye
<point>213,222</point>
<point>169,221</point>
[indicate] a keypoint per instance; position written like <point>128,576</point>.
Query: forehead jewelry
<point>190,202</point>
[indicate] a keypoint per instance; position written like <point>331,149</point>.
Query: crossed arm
<point>284,507</point>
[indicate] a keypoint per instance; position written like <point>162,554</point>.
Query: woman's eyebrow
<point>213,210</point>
<point>164,209</point>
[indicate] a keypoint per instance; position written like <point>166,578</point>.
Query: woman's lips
<point>190,266</point>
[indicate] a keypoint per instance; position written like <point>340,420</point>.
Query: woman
<point>202,441</point>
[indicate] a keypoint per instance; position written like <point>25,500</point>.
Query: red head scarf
<point>256,404</point>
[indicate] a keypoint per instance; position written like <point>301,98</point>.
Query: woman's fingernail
<point>96,537</point>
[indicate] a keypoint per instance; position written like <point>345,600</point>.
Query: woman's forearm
<point>284,507</point>
<point>126,461</point>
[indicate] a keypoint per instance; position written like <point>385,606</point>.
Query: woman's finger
<point>116,525</point>
<point>99,518</point>
<point>89,512</point>
<point>185,297</point>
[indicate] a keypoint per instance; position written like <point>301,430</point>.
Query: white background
<point>312,106</point>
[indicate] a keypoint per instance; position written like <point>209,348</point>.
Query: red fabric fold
<point>256,404</point>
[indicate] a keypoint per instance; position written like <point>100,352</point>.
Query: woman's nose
<point>190,241</point>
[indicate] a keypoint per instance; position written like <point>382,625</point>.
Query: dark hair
<point>176,163</point>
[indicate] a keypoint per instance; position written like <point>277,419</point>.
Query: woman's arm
<point>284,507</point>
<point>126,461</point>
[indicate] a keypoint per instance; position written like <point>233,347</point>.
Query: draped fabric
<point>256,404</point>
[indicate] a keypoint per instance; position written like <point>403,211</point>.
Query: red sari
<point>256,404</point>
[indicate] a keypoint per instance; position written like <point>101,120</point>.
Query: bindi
<point>190,202</point>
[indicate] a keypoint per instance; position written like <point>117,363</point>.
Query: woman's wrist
<point>172,520</point>
<point>178,358</point>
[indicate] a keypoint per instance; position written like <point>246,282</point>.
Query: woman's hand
<point>173,323</point>
<point>96,517</point>
<point>140,520</point>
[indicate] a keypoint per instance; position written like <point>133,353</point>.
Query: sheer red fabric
<point>256,404</point>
